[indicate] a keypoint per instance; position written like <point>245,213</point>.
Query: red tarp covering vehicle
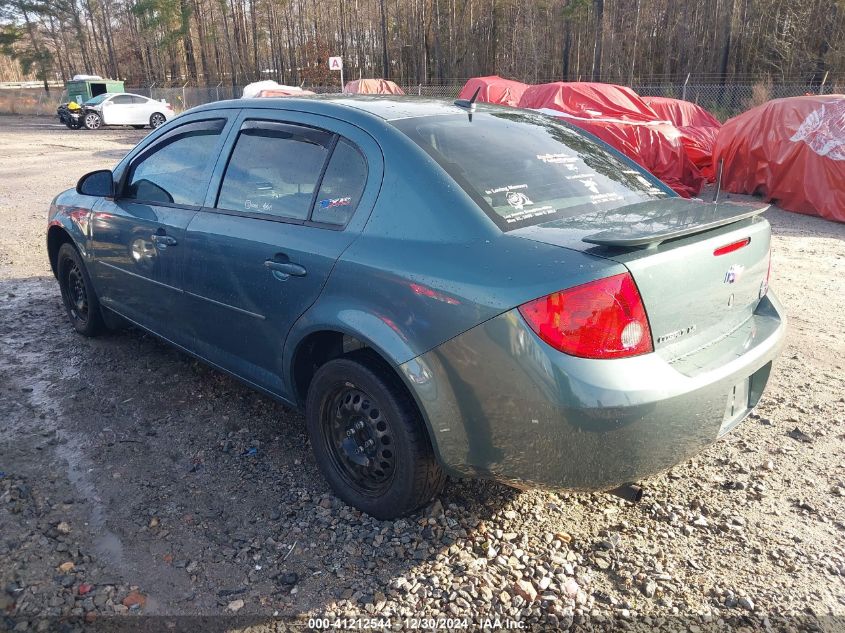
<point>589,100</point>
<point>494,89</point>
<point>620,118</point>
<point>372,87</point>
<point>791,151</point>
<point>698,129</point>
<point>681,113</point>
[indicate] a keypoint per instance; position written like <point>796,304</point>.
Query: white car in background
<point>125,109</point>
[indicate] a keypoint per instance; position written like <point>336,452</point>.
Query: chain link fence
<point>723,100</point>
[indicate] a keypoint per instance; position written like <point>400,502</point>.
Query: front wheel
<point>93,121</point>
<point>157,120</point>
<point>78,296</point>
<point>369,439</point>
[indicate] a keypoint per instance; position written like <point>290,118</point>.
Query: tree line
<point>213,42</point>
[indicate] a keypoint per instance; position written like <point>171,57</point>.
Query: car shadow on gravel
<point>175,479</point>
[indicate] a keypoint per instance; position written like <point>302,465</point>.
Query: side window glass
<point>139,100</point>
<point>122,99</point>
<point>174,170</point>
<point>342,185</point>
<point>274,169</point>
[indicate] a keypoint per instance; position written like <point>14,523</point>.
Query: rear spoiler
<point>651,230</point>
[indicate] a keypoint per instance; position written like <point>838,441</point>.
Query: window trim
<point>128,171</point>
<point>282,219</point>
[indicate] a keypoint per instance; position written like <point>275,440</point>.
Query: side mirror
<point>97,183</point>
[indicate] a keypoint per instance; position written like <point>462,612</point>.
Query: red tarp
<point>373,87</point>
<point>589,100</point>
<point>681,113</point>
<point>698,129</point>
<point>791,151</point>
<point>494,89</point>
<point>620,118</point>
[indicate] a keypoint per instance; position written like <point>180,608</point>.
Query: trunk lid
<point>694,294</point>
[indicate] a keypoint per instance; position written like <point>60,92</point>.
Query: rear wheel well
<point>56,236</point>
<point>319,348</point>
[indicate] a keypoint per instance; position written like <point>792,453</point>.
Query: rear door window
<point>176,169</point>
<point>275,169</point>
<point>342,185</point>
<point>122,100</point>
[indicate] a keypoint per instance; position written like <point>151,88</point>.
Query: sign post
<point>336,63</point>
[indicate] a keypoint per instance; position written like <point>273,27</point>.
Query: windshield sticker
<point>260,206</point>
<point>557,158</point>
<point>331,203</point>
<point>517,199</point>
<point>490,192</point>
<point>527,214</point>
<point>601,198</point>
<point>590,184</point>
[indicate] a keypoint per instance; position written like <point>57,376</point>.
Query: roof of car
<point>387,107</point>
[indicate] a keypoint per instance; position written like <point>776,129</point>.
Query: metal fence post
<point>684,91</point>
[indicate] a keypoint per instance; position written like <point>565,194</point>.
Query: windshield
<point>98,99</point>
<point>524,168</point>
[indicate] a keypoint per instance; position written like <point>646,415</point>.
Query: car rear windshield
<point>524,168</point>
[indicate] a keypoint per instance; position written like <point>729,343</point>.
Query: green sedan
<point>443,289</point>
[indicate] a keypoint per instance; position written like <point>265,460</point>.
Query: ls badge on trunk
<point>734,273</point>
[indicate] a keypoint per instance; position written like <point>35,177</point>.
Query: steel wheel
<point>77,296</point>
<point>157,120</point>
<point>359,440</point>
<point>93,121</point>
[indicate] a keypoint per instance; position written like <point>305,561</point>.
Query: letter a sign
<point>336,63</point>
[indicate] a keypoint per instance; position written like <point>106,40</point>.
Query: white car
<point>125,109</point>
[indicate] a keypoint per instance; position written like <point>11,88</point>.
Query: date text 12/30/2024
<point>433,624</point>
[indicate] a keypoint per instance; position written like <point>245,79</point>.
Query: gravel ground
<point>137,481</point>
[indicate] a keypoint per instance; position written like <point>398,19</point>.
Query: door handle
<point>164,240</point>
<point>283,270</point>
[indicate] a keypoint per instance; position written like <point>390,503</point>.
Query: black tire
<point>93,121</point>
<point>401,473</point>
<point>157,119</point>
<point>81,303</point>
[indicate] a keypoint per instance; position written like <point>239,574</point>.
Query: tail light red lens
<point>730,248</point>
<point>605,318</point>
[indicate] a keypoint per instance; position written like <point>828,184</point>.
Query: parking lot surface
<point>136,480</point>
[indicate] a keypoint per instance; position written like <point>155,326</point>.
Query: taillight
<point>730,248</point>
<point>605,318</point>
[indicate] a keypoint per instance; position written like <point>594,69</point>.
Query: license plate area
<point>737,406</point>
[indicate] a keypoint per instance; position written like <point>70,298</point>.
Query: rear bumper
<point>502,404</point>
